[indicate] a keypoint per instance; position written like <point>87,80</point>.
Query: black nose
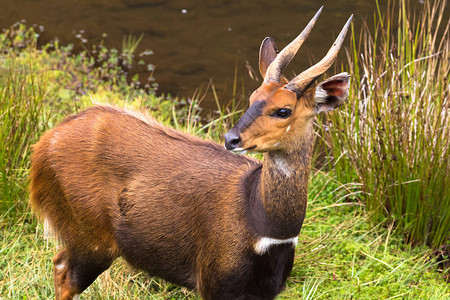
<point>232,140</point>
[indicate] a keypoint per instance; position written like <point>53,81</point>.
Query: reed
<point>22,119</point>
<point>393,135</point>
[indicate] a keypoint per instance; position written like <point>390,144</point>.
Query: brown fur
<point>112,183</point>
<point>86,169</point>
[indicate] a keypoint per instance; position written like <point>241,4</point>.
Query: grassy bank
<point>340,255</point>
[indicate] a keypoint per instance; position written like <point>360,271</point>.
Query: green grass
<point>393,134</point>
<point>22,120</point>
<point>340,256</point>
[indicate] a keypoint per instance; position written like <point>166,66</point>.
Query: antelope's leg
<point>74,272</point>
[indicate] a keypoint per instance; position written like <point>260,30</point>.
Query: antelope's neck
<point>280,191</point>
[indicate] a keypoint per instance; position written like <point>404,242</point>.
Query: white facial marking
<point>283,166</point>
<point>263,244</point>
<point>289,128</point>
<point>239,151</point>
<point>76,297</point>
<point>276,144</point>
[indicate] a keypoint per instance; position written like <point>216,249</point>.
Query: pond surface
<point>195,41</point>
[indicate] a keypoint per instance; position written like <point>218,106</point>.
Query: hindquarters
<point>89,246</point>
<point>47,198</point>
<point>66,191</point>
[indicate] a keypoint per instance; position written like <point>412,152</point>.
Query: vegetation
<point>393,134</point>
<point>340,254</point>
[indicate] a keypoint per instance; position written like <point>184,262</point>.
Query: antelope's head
<point>280,110</point>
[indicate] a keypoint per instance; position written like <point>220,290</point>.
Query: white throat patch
<point>283,166</point>
<point>263,244</point>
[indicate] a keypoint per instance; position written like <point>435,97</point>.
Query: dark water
<point>194,41</point>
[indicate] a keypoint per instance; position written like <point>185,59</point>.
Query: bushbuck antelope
<point>112,183</point>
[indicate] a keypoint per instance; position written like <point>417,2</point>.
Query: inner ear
<point>267,54</point>
<point>332,92</point>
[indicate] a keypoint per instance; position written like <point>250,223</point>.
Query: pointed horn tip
<point>276,67</point>
<point>344,30</point>
<point>318,13</point>
<point>350,19</point>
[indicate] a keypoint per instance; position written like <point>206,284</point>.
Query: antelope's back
<point>105,167</point>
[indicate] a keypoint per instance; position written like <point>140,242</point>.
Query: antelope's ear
<point>267,54</point>
<point>332,92</point>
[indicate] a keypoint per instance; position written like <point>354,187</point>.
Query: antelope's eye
<point>282,113</point>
